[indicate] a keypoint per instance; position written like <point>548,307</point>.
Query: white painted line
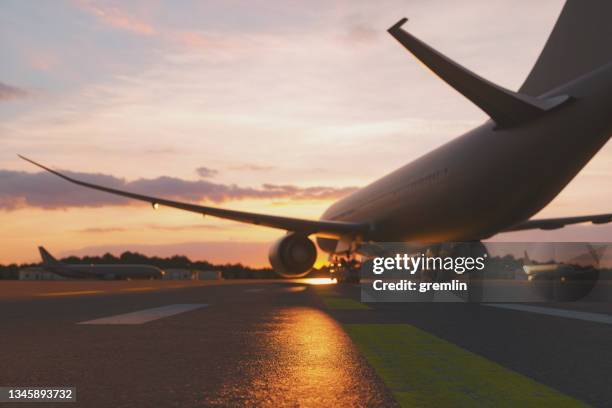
<point>570,314</point>
<point>146,315</point>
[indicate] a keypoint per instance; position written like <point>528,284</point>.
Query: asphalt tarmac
<point>276,343</point>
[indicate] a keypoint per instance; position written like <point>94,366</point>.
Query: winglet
<point>398,25</point>
<point>505,107</point>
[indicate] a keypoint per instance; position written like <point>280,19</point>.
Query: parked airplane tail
<point>47,258</point>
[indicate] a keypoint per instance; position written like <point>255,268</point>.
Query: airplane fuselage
<point>490,178</point>
<point>99,271</point>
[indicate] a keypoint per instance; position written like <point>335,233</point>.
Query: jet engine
<point>564,283</point>
<point>293,255</point>
<point>563,271</point>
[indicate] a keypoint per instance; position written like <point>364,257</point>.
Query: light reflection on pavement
<point>305,359</point>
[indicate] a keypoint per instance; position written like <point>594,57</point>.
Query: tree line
<point>228,270</point>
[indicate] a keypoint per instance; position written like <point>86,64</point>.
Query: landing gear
<point>345,270</point>
<point>474,278</point>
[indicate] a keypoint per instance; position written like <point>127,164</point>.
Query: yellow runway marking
<point>138,289</point>
<point>423,370</point>
<point>74,293</point>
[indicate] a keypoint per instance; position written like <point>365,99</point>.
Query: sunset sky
<point>267,107</point>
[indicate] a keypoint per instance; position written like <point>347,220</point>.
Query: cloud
<point>161,150</point>
<point>205,172</point>
<point>101,230</point>
<point>8,92</point>
<point>252,167</point>
<point>41,60</point>
<point>361,33</point>
<point>307,193</point>
<point>117,18</point>
<point>207,41</point>
<point>43,190</point>
<point>209,227</point>
<point>156,227</point>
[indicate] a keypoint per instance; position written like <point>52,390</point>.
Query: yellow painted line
<point>333,300</point>
<point>74,293</point>
<point>138,289</point>
<point>423,370</point>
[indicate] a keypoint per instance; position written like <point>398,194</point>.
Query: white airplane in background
<point>489,180</point>
<point>98,271</point>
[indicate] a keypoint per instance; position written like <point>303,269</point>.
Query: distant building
<point>208,275</point>
<point>37,273</point>
<point>178,274</point>
<point>191,274</point>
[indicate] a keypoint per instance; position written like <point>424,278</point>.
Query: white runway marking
<point>570,314</point>
<point>146,315</point>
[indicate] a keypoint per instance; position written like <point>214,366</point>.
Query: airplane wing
<point>335,228</point>
<point>555,223</point>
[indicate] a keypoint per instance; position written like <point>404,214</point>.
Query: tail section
<point>47,258</point>
<point>505,107</point>
<point>578,44</point>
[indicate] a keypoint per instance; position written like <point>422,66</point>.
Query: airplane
<point>579,263</point>
<point>490,180</point>
<point>98,271</point>
<point>565,280</point>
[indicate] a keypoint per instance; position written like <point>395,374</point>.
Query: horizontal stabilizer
<point>505,107</point>
<point>556,223</point>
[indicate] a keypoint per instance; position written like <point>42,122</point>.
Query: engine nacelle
<point>564,283</point>
<point>293,255</point>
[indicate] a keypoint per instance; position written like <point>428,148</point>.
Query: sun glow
<point>318,281</point>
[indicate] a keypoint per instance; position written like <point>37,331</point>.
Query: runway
<point>278,343</point>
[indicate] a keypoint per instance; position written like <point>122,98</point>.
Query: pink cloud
<point>43,190</point>
<point>117,18</point>
<point>8,92</point>
<point>42,61</point>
